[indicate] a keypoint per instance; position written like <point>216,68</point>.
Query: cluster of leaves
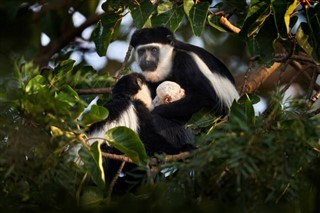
<point>38,123</point>
<point>249,160</point>
<point>266,25</point>
<point>269,23</point>
<point>265,159</point>
<point>253,161</point>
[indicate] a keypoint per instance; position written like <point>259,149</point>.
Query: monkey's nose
<point>148,65</point>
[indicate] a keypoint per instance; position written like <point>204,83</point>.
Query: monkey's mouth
<point>148,66</point>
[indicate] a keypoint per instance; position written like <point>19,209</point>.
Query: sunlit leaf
<point>129,143</point>
<point>97,113</point>
<point>259,11</point>
<point>35,84</point>
<point>287,16</point>
<point>164,7</point>
<point>282,10</point>
<point>92,160</point>
<point>308,41</point>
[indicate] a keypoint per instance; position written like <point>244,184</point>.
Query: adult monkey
<point>206,80</point>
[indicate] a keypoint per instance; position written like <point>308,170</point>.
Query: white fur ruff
<point>128,119</point>
<point>163,68</point>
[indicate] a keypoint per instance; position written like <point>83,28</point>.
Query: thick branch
<point>258,77</point>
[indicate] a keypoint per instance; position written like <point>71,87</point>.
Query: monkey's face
<point>148,57</point>
<point>133,86</point>
<point>155,60</point>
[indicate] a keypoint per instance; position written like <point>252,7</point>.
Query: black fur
<point>154,140</point>
<point>186,72</point>
<point>159,135</point>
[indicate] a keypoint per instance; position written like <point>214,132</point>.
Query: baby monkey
<point>167,92</point>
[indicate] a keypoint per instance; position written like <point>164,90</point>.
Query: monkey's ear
<point>172,40</point>
<point>167,99</point>
<point>139,82</point>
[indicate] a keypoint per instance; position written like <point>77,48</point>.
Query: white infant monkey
<point>167,92</point>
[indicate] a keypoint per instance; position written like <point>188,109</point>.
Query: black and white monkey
<point>206,80</point>
<point>130,106</point>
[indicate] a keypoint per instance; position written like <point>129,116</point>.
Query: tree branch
<point>114,180</point>
<point>154,160</point>
<point>93,91</point>
<point>224,21</point>
<point>258,77</point>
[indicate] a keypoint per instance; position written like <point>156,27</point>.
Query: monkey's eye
<point>154,50</point>
<point>140,51</point>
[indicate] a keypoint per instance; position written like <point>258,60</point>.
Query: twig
<point>246,76</point>
<point>315,97</point>
<point>114,180</point>
<point>154,161</point>
<point>300,70</point>
<point>224,21</point>
<point>119,72</point>
<point>117,157</point>
<point>280,57</point>
<point>94,91</point>
<point>180,156</point>
<point>311,86</point>
<point>149,175</point>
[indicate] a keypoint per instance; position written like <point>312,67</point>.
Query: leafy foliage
<point>248,162</point>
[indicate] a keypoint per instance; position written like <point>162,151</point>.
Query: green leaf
<point>282,10</point>
<point>187,6</point>
<point>164,7</point>
<point>242,112</point>
<point>96,114</point>
<point>128,142</point>
<point>170,19</point>
<point>106,30</point>
<point>36,84</point>
<point>259,11</point>
<point>141,12</point>
<point>202,119</point>
<point>196,14</point>
<point>92,160</point>
<point>263,43</point>
<point>91,197</point>
<point>69,101</point>
<point>308,34</point>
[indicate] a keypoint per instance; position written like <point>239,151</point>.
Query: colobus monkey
<point>167,92</point>
<point>130,106</point>
<point>206,81</point>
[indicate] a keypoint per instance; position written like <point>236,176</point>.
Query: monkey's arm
<point>180,110</point>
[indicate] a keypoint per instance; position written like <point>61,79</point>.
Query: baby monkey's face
<point>169,91</point>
